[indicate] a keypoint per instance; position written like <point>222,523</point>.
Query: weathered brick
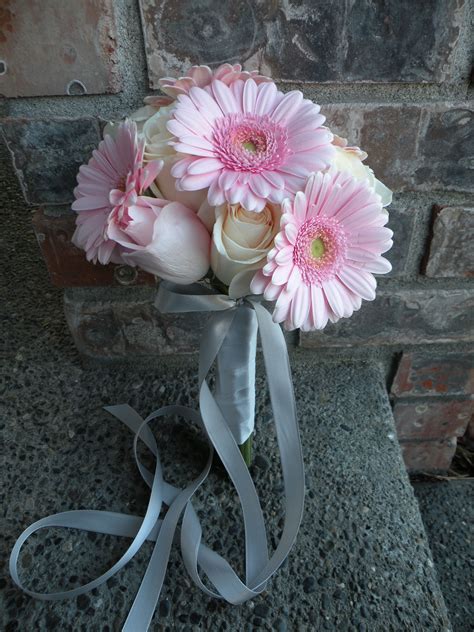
<point>306,40</point>
<point>428,456</point>
<point>451,252</point>
<point>112,324</point>
<point>50,48</point>
<point>446,150</point>
<point>413,147</point>
<point>402,223</point>
<point>403,317</point>
<point>47,154</point>
<point>67,265</point>
<point>432,418</point>
<point>421,374</point>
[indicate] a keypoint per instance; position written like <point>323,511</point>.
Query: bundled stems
<point>246,451</point>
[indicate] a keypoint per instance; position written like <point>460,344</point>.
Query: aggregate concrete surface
<point>361,561</point>
<point>447,509</point>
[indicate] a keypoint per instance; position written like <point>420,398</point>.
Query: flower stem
<point>246,451</point>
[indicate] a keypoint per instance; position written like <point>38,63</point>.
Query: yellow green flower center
<point>317,248</point>
<point>249,146</point>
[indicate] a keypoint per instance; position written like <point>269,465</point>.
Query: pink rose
<point>164,238</point>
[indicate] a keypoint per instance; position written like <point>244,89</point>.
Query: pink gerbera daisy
<point>114,172</point>
<point>330,245</point>
<point>248,142</point>
<point>202,76</point>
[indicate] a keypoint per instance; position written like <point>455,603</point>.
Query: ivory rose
<point>349,159</point>
<point>241,240</point>
<point>157,138</point>
<point>164,238</point>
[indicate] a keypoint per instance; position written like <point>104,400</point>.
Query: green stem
<point>246,451</point>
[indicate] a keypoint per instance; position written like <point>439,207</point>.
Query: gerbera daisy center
<point>320,249</point>
<point>317,248</point>
<point>251,143</point>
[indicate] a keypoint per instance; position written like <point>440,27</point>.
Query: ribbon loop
<point>212,418</point>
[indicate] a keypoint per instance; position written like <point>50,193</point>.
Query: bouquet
<point>238,197</point>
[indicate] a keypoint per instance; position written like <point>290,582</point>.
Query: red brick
<point>451,252</point>
<point>432,418</point>
<point>67,265</point>
<point>47,45</point>
<point>428,456</point>
<point>422,374</point>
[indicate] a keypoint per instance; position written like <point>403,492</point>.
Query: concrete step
<point>447,509</point>
<point>361,562</point>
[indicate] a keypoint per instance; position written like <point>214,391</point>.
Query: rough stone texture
<point>52,48</point>
<point>402,221</point>
<point>308,41</point>
<point>403,317</point>
<point>432,418</point>
<point>113,324</point>
<point>67,265</point>
<point>361,543</point>
<point>451,253</point>
<point>433,456</point>
<point>47,154</point>
<point>411,147</point>
<point>447,510</point>
<point>420,374</point>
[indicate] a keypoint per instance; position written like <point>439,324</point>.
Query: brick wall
<point>392,77</point>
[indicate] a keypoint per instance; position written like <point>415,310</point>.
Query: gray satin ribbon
<point>196,555</point>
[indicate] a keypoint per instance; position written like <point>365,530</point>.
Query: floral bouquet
<point>235,195</point>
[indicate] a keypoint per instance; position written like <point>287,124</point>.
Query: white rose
<point>240,243</point>
<point>350,159</point>
<point>157,138</point>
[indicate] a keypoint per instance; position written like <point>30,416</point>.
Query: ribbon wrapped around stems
<point>196,555</point>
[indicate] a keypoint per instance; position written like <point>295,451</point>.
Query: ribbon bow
<point>196,555</point>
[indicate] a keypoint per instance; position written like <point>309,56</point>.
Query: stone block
<point>446,149</point>
<point>111,324</point>
<point>67,265</point>
<point>451,253</point>
<point>411,147</point>
<point>309,41</point>
<point>402,222</point>
<point>432,418</point>
<point>57,48</point>
<point>47,154</point>
<point>403,316</point>
<point>421,374</point>
<point>428,456</point>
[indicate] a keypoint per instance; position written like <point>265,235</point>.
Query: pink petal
<point>288,106</point>
<point>281,274</point>
<point>205,165</point>
<point>194,183</point>
<point>359,282</point>
<point>215,195</point>
<point>267,93</point>
<point>259,283</point>
<point>318,307</point>
<point>259,185</point>
<point>285,255</point>
<point>300,306</point>
<point>249,96</point>
<point>291,233</point>
<point>224,97</point>
<point>300,206</point>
